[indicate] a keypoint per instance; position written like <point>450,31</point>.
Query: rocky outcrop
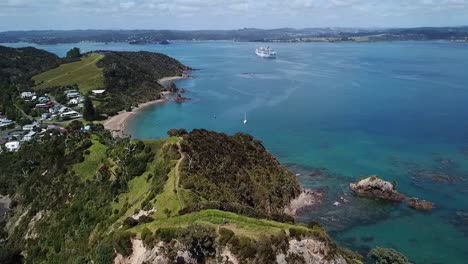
<point>374,187</point>
<point>312,251</point>
<point>307,199</point>
<point>299,251</point>
<point>418,204</point>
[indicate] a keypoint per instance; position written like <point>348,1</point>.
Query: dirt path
<point>177,172</point>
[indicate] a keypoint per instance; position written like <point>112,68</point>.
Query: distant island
<point>456,34</point>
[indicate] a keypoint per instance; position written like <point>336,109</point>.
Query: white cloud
<point>239,13</point>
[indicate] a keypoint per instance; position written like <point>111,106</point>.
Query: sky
<point>228,14</point>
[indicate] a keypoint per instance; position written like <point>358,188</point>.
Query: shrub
<point>130,222</point>
<point>104,253</point>
<point>122,243</point>
<point>145,234</point>
<point>387,255</point>
<point>174,132</point>
<point>166,234</point>
<point>297,233</point>
<point>225,235</point>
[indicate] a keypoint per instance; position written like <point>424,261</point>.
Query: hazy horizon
<point>227,15</point>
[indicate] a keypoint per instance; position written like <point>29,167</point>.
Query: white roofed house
<point>30,127</point>
<point>6,123</point>
<point>29,136</point>
<point>12,146</point>
<point>27,95</point>
<point>73,94</point>
<point>98,93</point>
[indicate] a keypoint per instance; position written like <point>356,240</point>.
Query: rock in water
<point>421,205</point>
<point>374,187</point>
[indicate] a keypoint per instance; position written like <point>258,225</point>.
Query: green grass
<point>240,224</point>
<point>139,187</point>
<point>87,169</point>
<point>85,73</point>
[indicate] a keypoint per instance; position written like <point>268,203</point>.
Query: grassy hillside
<point>70,198</point>
<point>85,73</point>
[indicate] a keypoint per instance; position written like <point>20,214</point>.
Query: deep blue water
<point>396,109</point>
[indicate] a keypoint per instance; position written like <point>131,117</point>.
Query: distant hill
<point>20,64</point>
<point>129,78</point>
<point>246,34</point>
<point>132,77</point>
<point>85,73</point>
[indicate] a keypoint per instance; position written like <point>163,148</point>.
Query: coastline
<point>118,124</point>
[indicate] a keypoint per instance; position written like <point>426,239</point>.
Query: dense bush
<point>174,132</point>
<point>225,235</point>
<point>122,242</point>
<point>104,253</point>
<point>132,77</point>
<point>235,169</point>
<point>387,256</point>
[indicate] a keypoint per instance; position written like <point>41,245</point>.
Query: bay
<point>334,112</point>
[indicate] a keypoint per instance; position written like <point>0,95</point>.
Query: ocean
<point>335,112</point>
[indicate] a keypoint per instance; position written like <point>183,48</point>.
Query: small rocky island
<point>374,187</point>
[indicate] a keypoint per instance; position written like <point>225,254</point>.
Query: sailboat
<point>245,118</point>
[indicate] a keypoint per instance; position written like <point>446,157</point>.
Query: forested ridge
<point>236,170</point>
<point>132,77</point>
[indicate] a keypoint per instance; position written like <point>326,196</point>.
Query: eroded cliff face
<point>299,251</point>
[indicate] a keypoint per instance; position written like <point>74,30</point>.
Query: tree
<point>89,113</point>
<point>74,53</point>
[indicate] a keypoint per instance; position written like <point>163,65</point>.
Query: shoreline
<point>118,124</point>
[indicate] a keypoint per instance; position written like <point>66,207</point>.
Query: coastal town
<point>46,114</point>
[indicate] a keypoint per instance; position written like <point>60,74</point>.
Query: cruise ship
<point>265,52</point>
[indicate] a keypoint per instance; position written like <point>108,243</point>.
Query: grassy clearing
<point>243,225</point>
<point>85,73</point>
<point>140,187</point>
<point>87,169</point>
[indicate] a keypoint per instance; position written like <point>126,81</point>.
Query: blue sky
<point>228,14</point>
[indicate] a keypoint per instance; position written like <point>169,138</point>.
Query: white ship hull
<point>265,53</point>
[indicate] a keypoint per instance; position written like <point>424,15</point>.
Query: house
<point>44,106</point>
<point>27,95</point>
<point>46,115</point>
<point>70,115</point>
<point>29,136</point>
<point>43,99</point>
<point>98,93</point>
<point>73,94</point>
<point>12,146</point>
<point>4,122</point>
<point>30,127</point>
<point>16,135</point>
<point>76,101</point>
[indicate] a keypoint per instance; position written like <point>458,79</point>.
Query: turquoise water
<point>399,110</point>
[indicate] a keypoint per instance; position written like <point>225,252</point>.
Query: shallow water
<point>395,109</point>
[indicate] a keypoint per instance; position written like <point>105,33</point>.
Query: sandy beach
<point>118,124</point>
<point>164,81</point>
